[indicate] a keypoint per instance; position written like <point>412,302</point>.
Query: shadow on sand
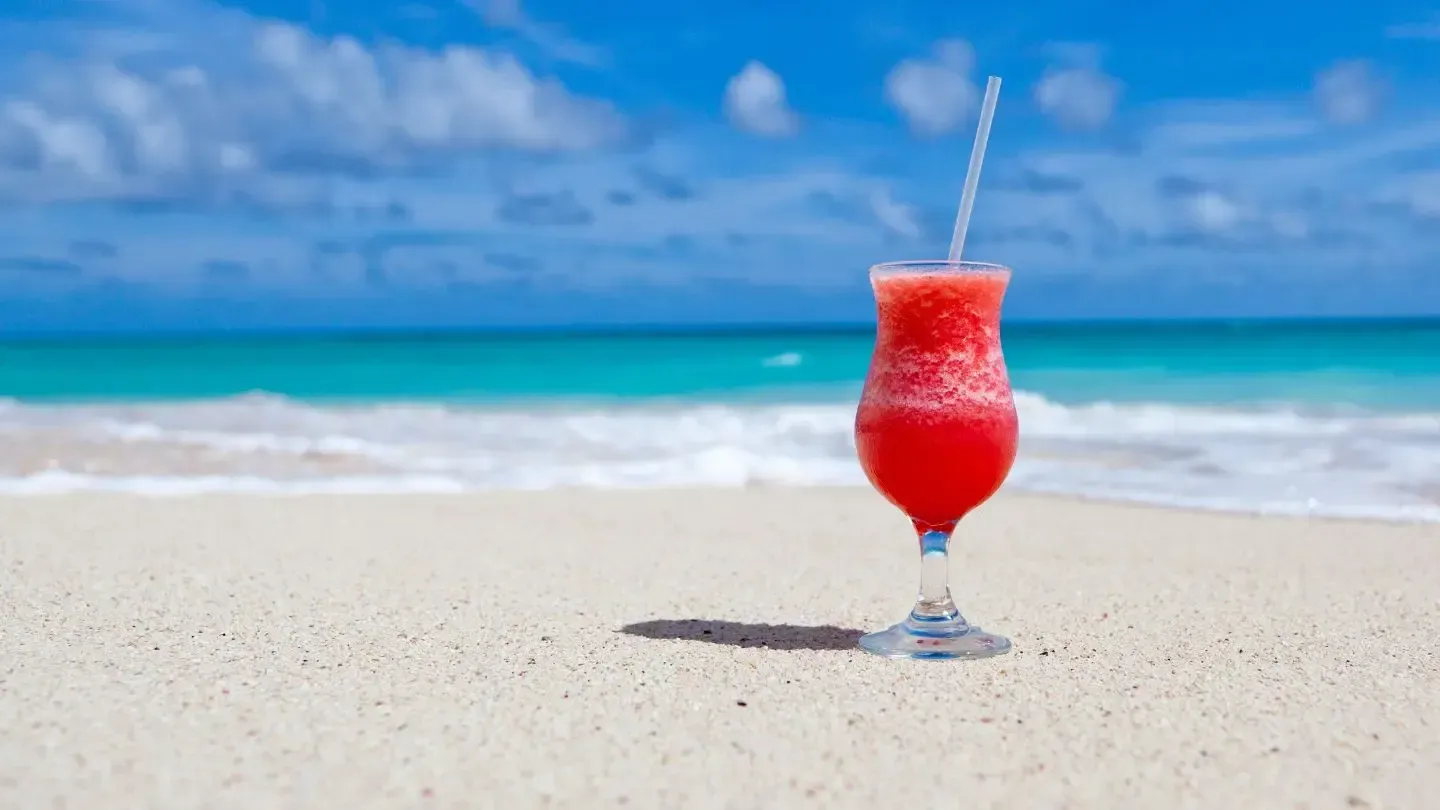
<point>739,634</point>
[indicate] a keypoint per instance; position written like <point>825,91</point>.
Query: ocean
<point>1336,418</point>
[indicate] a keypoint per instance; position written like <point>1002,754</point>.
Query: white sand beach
<point>695,649</point>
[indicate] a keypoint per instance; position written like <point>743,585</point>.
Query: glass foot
<point>934,640</point>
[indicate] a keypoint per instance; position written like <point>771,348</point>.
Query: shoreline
<point>1005,494</point>
<point>1363,466</point>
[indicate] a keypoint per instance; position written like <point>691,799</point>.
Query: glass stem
<point>935,603</point>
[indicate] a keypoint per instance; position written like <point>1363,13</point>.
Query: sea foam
<point>1274,459</point>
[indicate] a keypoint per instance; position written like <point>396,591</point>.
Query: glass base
<point>932,640</point>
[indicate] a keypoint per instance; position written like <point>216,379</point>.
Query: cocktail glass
<point>936,430</point>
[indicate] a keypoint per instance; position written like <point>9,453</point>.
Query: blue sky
<point>305,163</point>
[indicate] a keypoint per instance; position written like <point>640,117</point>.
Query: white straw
<point>972,175</point>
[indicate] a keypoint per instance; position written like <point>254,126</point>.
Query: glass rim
<point>955,266</point>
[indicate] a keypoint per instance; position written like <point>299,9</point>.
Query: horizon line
<point>661,329</point>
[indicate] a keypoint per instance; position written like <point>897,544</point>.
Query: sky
<point>190,164</point>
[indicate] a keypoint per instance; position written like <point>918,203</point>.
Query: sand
<point>694,649</point>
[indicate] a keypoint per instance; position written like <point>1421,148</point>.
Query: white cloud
<point>1417,192</point>
<point>510,15</point>
<point>897,217</point>
<point>1291,224</point>
<point>53,142</point>
<point>1214,212</point>
<point>1080,97</point>
<point>935,94</point>
<point>1349,91</point>
<point>403,98</point>
<point>755,102</point>
<point>1428,30</point>
<point>500,13</point>
<point>1424,197</point>
<point>280,100</point>
<point>1077,93</point>
<point>1227,124</point>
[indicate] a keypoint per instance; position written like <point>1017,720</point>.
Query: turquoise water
<point>1371,364</point>
<point>1323,418</point>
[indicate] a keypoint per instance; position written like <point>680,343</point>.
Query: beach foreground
<point>696,649</point>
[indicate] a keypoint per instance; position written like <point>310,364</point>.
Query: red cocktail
<point>936,429</point>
